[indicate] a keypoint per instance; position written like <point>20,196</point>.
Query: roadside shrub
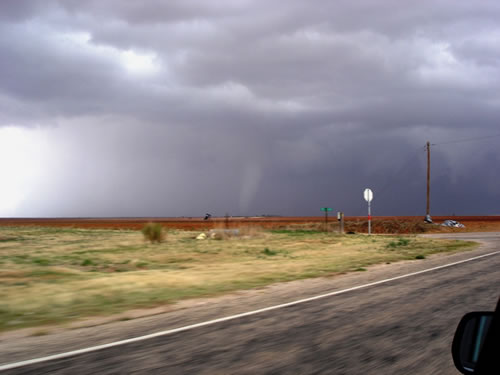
<point>153,232</point>
<point>87,262</point>
<point>266,251</point>
<point>403,242</point>
<point>41,261</point>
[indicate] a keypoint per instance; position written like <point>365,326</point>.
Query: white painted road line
<point>232,317</point>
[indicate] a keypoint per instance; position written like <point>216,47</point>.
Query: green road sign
<point>326,209</point>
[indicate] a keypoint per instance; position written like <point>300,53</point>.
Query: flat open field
<point>381,224</point>
<point>55,274</point>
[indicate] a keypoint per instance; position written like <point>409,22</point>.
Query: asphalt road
<point>403,326</point>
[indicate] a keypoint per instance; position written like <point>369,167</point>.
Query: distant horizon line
<point>333,214</point>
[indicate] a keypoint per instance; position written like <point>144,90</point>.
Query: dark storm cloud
<point>254,107</point>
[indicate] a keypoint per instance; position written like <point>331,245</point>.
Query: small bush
<point>420,257</point>
<point>41,261</point>
<point>87,262</point>
<point>266,251</point>
<point>153,232</point>
<point>403,242</point>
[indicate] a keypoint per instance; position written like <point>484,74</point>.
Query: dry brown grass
<point>389,226</point>
<point>50,275</point>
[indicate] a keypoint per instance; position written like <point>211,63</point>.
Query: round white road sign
<point>368,194</point>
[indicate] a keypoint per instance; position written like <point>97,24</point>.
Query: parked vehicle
<point>452,224</point>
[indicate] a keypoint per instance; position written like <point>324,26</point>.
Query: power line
<point>467,140</point>
<point>404,165</point>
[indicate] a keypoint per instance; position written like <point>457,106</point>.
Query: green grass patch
<point>296,232</point>
<point>7,239</point>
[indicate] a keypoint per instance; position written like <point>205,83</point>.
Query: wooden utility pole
<point>428,207</point>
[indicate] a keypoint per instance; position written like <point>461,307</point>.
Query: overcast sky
<point>247,107</point>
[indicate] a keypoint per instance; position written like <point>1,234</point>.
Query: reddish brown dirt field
<point>380,224</point>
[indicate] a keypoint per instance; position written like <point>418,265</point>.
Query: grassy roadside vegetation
<point>54,275</point>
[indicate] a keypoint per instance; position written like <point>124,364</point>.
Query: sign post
<point>340,218</point>
<point>368,195</point>
<point>326,210</point>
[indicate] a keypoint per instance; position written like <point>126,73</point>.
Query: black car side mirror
<point>469,339</point>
